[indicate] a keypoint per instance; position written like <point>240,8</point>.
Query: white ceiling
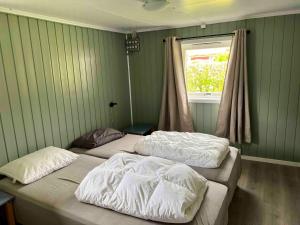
<point>129,15</point>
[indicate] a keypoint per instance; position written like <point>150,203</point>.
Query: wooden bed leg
<point>9,211</point>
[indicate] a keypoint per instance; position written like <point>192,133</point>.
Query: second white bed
<point>228,173</point>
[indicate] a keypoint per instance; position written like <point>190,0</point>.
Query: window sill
<point>205,100</point>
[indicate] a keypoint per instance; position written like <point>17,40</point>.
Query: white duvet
<point>145,187</point>
<point>194,149</point>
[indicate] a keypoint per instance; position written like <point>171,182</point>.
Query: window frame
<point>203,43</point>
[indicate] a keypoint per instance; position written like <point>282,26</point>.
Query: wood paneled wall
<point>274,82</point>
<point>56,82</point>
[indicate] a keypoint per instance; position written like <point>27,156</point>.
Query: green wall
<point>57,81</point>
<point>274,83</point>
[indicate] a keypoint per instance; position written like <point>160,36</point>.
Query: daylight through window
<point>205,63</point>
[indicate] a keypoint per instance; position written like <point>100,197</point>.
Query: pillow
<point>36,165</point>
<point>97,138</point>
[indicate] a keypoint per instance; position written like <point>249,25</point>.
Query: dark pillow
<point>97,138</point>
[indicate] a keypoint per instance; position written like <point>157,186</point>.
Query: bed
<point>228,173</point>
<point>124,144</point>
<point>51,200</point>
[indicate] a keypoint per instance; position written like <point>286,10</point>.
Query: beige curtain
<point>175,113</point>
<point>233,117</point>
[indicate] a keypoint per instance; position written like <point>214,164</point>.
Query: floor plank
<point>267,194</point>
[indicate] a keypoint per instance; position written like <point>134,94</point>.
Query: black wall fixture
<point>132,43</point>
<point>112,104</point>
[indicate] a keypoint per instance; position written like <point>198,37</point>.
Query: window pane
<point>205,69</point>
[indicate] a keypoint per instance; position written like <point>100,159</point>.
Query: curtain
<point>233,118</point>
<point>175,113</point>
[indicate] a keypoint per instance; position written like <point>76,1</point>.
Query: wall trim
<point>126,31</point>
<point>57,19</point>
<point>273,161</point>
<point>233,19</point>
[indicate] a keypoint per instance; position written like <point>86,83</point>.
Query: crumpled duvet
<point>146,187</point>
<point>194,149</point>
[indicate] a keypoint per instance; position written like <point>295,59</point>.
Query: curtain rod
<point>205,36</point>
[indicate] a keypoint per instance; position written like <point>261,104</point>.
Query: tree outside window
<point>205,69</point>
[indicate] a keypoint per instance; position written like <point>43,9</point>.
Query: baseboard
<point>274,161</point>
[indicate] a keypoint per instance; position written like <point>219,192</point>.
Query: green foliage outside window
<point>207,77</point>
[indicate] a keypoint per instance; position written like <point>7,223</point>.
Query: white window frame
<point>202,43</point>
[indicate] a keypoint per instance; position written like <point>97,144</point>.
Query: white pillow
<point>36,165</point>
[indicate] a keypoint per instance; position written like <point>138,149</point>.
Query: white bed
<point>228,173</point>
<point>51,200</point>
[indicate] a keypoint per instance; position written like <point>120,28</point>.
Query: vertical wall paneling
<point>8,138</point>
<point>194,113</point>
<point>57,81</point>
<point>89,78</point>
<point>64,81</point>
<point>120,75</point>
<point>273,76</point>
<point>146,94</point>
<point>110,74</point>
<point>107,74</point>
<point>265,82</point>
<point>105,77</point>
<point>12,88</point>
<point>100,63</point>
<point>296,71</point>
<point>274,85</point>
<point>200,117</point>
<point>3,154</point>
<point>151,59</point>
<point>94,77</point>
<point>71,79</point>
<point>46,56</point>
<point>22,83</point>
<point>86,104</point>
<point>110,55</point>
<point>40,80</point>
<point>283,91</point>
<point>77,79</point>
<point>294,88</point>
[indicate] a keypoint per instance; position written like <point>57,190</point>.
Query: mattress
<point>51,200</point>
<point>228,173</point>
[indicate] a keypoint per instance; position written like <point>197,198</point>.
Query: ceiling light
<point>153,5</point>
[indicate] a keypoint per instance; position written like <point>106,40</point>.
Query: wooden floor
<point>268,194</point>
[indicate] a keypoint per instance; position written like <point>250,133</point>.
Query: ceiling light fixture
<point>152,5</point>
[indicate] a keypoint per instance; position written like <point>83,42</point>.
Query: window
<point>205,64</point>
